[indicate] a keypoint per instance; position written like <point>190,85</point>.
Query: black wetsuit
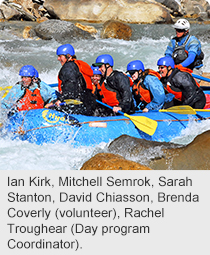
<point>74,87</point>
<point>192,95</point>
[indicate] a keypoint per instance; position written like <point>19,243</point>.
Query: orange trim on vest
<point>108,97</point>
<point>31,100</point>
<point>154,73</point>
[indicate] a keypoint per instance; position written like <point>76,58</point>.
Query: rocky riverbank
<point>128,11</point>
<point>62,20</point>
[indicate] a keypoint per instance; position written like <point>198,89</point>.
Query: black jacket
<point>74,87</point>
<point>192,95</point>
<point>119,83</point>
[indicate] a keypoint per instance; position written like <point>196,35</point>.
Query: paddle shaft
<point>108,106</point>
<point>200,77</point>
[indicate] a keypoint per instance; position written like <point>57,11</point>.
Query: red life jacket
<point>86,72</point>
<point>108,97</point>
<point>140,89</point>
<point>30,100</point>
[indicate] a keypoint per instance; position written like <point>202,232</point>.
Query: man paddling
<point>114,89</point>
<point>181,84</point>
<point>74,82</point>
<point>147,89</point>
<point>184,48</point>
<point>28,94</point>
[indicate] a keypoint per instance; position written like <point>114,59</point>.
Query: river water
<point>148,44</point>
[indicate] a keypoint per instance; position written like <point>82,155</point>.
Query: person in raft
<point>184,48</point>
<point>114,89</point>
<point>74,82</point>
<point>95,78</point>
<point>28,93</point>
<point>180,83</point>
<point>147,88</point>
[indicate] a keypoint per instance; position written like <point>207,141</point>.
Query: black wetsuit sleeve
<point>69,75</point>
<point>124,95</point>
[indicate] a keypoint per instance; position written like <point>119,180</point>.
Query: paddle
<point>184,109</point>
<point>200,77</point>
<point>144,124</point>
<point>69,101</point>
<point>6,90</point>
<point>180,109</point>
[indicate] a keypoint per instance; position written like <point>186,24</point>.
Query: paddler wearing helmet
<point>114,89</point>
<point>147,89</point>
<point>184,48</point>
<point>27,94</point>
<point>74,82</point>
<point>181,84</point>
<point>96,77</point>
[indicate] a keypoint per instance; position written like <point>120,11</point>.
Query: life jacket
<point>30,100</point>
<point>176,91</point>
<point>187,70</point>
<point>141,91</point>
<point>180,54</point>
<point>86,72</point>
<point>108,96</point>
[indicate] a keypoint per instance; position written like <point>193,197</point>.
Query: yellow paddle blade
<point>6,90</point>
<point>72,101</point>
<point>180,109</point>
<point>202,110</point>
<point>144,124</point>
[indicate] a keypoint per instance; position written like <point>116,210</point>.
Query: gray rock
<point>61,31</point>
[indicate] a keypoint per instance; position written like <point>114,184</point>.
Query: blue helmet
<point>27,71</point>
<point>135,65</point>
<point>95,70</point>
<point>104,59</point>
<point>36,73</point>
<point>166,61</point>
<point>65,49</point>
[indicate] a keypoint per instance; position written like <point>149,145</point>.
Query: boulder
<point>128,11</point>
<point>117,30</point>
<point>190,157</point>
<point>109,161</point>
<point>61,31</point>
<point>165,156</point>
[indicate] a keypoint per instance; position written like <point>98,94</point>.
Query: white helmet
<point>182,24</point>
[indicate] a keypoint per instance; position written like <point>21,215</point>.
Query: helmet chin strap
<point>107,67</point>
<point>168,70</point>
